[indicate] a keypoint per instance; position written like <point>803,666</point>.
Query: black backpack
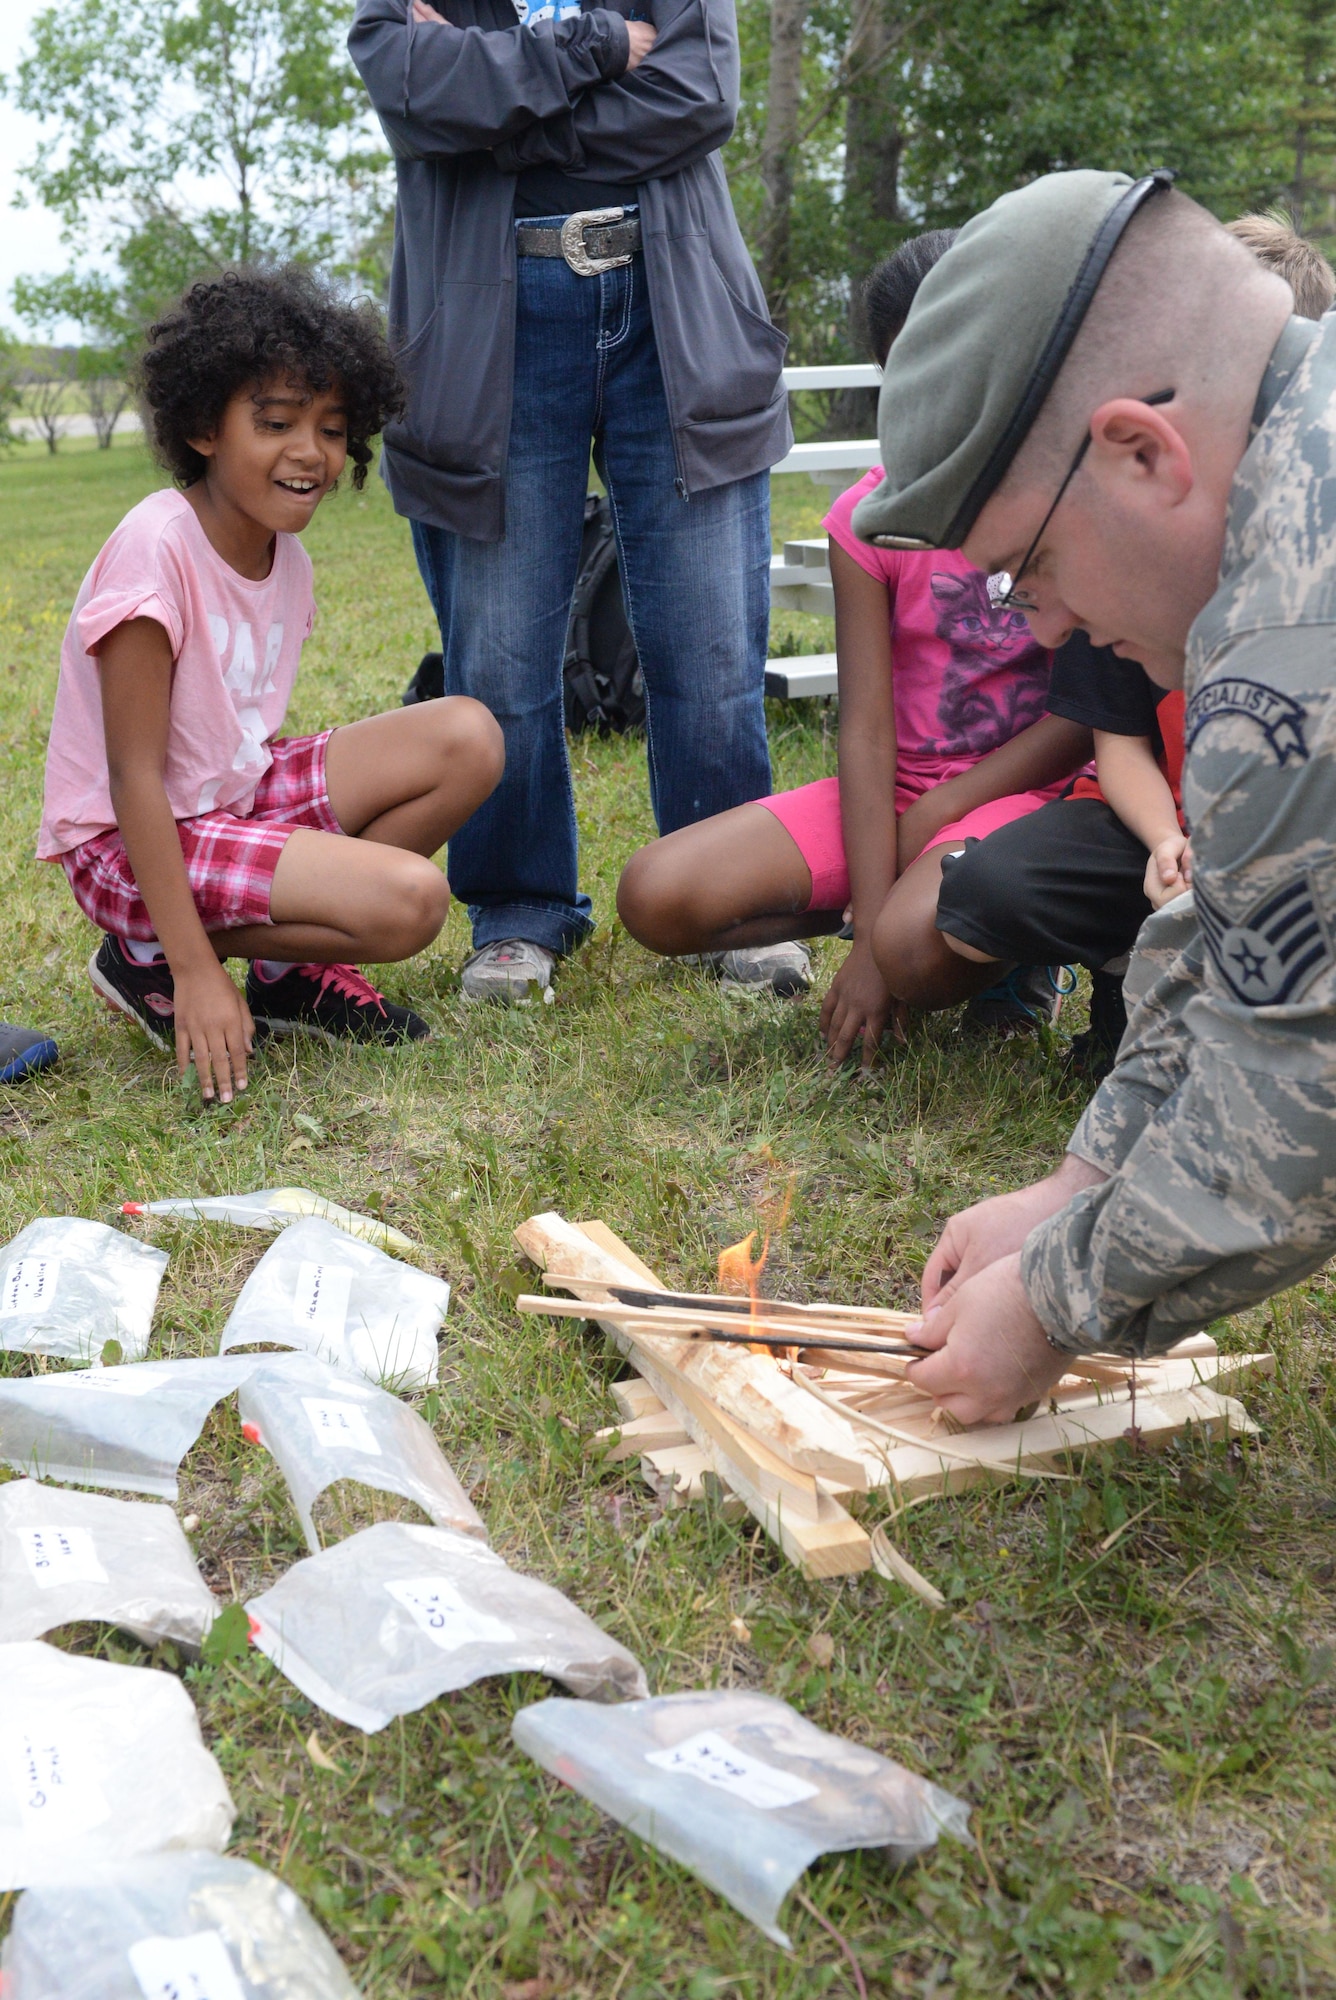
<point>601,678</point>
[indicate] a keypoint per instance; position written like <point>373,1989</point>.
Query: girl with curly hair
<point>190,830</point>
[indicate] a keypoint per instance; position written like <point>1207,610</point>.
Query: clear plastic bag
<point>321,1290</point>
<point>381,1624</point>
<point>738,1787</point>
<point>322,1425</point>
<point>273,1208</point>
<point>68,1286</point>
<point>71,1556</point>
<point>169,1927</point>
<point>127,1428</point>
<point>98,1763</point>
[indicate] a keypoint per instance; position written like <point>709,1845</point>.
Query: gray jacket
<point>466,107</point>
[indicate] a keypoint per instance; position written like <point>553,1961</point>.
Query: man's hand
<point>978,1236</point>
<point>642,37</point>
<point>214,1029</point>
<point>992,1355</point>
<point>422,12</point>
<point>858,1002</point>
<point>1168,871</point>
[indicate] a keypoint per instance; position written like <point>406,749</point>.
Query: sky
<point>29,237</point>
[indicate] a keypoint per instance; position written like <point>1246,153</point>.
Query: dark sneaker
<point>23,1052</point>
<point>1029,997</point>
<point>143,993</point>
<point>336,1002</point>
<point>1091,1055</point>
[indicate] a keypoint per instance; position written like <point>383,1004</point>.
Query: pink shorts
<point>230,862</point>
<point>812,815</point>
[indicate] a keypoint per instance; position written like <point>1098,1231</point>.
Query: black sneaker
<point>336,1002</point>
<point>23,1052</point>
<point>1028,997</point>
<point>143,993</point>
<point>1091,1055</point>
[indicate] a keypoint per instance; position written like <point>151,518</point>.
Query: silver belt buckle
<point>573,243</point>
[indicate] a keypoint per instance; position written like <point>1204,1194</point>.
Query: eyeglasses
<point>1007,588</point>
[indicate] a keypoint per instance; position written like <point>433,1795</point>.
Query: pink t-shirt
<point>968,676</point>
<point>235,645</point>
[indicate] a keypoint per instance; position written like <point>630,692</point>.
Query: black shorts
<point>1062,886</point>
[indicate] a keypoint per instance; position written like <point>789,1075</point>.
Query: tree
<point>110,339</point>
<point>777,152</point>
<point>43,381</point>
<point>186,134</point>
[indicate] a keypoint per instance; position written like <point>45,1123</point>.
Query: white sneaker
<point>783,969</point>
<point>513,970</point>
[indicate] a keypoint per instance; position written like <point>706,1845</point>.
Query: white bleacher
<point>800,576</point>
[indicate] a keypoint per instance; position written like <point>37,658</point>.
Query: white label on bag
<point>320,1302</point>
<point>57,1796</point>
<point>434,1603</point>
<point>340,1426</point>
<point>185,1968</point>
<point>60,1555</point>
<point>715,1761</point>
<point>30,1285</point>
<point>132,1381</point>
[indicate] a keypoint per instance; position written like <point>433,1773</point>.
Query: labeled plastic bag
<point>738,1787</point>
<point>127,1428</point>
<point>169,1927</point>
<point>273,1208</point>
<point>381,1624</point>
<point>68,1286</point>
<point>65,1557</point>
<point>322,1426</point>
<point>321,1290</point>
<point>98,1763</point>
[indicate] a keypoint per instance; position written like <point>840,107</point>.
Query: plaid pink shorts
<point>230,862</point>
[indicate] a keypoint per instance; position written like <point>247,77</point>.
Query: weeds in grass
<point>1143,1723</point>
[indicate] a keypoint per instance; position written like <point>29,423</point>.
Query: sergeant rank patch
<point>1278,949</point>
<point>1278,716</point>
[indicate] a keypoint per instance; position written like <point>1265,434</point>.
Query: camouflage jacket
<point>1217,1128</point>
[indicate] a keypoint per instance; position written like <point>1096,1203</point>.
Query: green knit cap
<point>991,326</point>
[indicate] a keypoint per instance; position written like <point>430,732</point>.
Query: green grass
<point>1146,1735</point>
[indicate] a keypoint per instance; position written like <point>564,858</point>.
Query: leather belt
<point>595,239</point>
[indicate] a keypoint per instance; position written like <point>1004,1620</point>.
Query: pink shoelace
<point>348,980</point>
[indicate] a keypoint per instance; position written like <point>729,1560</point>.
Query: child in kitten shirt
<point>944,737</point>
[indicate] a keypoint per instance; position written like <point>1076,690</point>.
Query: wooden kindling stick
<point>678,1324</point>
<point>871,1319</point>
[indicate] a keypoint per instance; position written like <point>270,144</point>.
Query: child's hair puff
<point>247,326</point>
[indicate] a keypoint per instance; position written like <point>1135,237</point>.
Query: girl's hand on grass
<point>1169,870</point>
<point>858,1002</point>
<point>214,1030</point>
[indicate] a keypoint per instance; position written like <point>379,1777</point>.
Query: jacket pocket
<point>458,369</point>
<point>720,357</point>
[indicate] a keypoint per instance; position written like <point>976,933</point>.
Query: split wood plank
<point>811,1527</point>
<point>634,1398</point>
<point>770,1408</point>
<point>1003,1450</point>
<point>676,1473</point>
<point>657,1431</point>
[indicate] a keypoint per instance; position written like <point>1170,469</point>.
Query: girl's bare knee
<point>419,900</point>
<point>649,902</point>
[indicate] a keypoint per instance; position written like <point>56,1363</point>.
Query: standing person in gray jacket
<point>568,268</point>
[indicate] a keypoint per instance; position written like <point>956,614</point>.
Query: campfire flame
<point>740,1273</point>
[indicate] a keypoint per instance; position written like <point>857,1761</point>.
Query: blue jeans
<point>695,573</point>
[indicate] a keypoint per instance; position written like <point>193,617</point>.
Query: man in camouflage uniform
<point>1202,1177</point>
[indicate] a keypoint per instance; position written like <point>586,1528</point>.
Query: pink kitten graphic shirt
<point>968,675</point>
<point>235,645</point>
